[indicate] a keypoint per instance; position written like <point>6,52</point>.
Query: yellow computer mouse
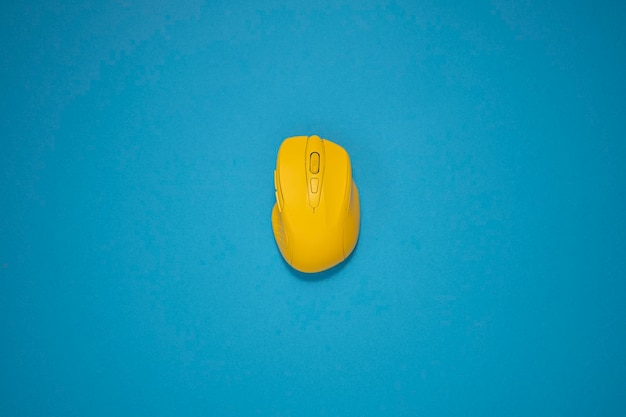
<point>316,218</point>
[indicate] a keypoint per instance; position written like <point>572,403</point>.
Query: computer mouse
<point>316,217</point>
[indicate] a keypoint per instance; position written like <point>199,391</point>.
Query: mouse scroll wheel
<point>314,165</point>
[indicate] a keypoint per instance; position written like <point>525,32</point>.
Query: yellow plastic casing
<point>316,218</point>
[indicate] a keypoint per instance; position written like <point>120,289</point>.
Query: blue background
<point>138,270</point>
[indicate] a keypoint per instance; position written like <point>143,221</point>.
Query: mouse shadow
<point>324,275</point>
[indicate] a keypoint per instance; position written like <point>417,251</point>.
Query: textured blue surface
<point>138,271</point>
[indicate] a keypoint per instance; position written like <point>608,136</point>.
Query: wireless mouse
<point>316,218</point>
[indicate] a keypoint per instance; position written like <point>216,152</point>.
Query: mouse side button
<point>279,201</point>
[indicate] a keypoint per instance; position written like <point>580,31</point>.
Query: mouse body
<point>316,217</point>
